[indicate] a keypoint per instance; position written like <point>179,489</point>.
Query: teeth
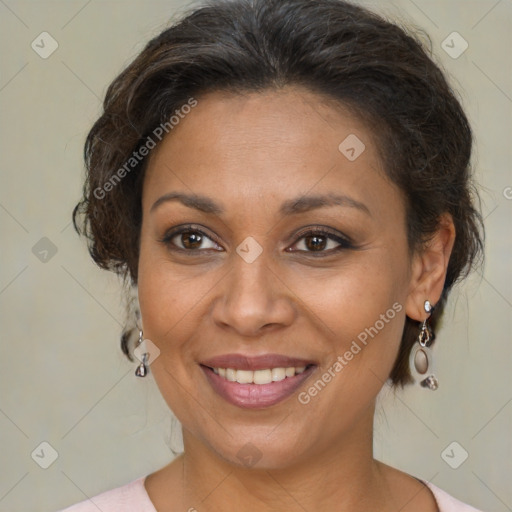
<point>259,376</point>
<point>278,374</point>
<point>244,376</point>
<point>262,377</point>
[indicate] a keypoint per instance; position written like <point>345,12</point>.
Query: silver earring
<point>421,361</point>
<point>142,369</point>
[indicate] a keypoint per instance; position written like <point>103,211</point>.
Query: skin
<point>250,153</point>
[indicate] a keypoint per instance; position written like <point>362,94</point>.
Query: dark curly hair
<point>334,48</point>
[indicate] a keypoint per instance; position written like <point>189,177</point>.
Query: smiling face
<point>264,247</point>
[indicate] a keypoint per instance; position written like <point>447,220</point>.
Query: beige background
<point>63,378</point>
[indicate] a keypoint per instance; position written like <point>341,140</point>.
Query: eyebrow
<point>289,207</point>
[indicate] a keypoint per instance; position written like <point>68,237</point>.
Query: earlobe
<point>429,267</point>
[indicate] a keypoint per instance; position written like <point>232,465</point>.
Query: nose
<point>253,299</point>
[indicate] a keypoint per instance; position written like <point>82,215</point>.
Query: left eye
<point>321,242</point>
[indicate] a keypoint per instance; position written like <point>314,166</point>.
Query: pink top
<point>133,497</point>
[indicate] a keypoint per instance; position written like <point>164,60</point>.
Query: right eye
<point>188,239</point>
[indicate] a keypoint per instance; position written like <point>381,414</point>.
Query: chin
<point>259,451</point>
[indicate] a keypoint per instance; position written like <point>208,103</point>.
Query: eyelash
<point>345,242</point>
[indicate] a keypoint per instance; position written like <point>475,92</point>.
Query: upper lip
<point>260,362</point>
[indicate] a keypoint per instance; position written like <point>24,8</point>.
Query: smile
<point>256,382</point>
<point>265,376</point>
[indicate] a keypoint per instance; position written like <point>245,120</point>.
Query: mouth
<point>256,382</point>
<point>259,377</point>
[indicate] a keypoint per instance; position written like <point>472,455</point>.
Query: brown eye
<point>320,242</point>
<point>191,240</point>
<point>188,239</point>
<point>315,242</point>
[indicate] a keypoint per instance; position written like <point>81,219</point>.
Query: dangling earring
<point>142,369</point>
<point>421,361</point>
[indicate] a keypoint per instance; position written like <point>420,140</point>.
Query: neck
<point>344,477</point>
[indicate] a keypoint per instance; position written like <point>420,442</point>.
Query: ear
<point>428,269</point>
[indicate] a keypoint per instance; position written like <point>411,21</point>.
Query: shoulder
<point>447,503</point>
<point>400,480</point>
<point>129,497</point>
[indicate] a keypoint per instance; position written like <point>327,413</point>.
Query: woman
<point>287,185</point>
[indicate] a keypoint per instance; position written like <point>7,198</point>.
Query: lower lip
<point>254,396</point>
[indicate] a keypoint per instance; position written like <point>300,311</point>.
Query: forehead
<point>264,145</point>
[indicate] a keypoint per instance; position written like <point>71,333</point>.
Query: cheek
<point>166,302</point>
<point>163,298</point>
<point>361,316</point>
<point>353,296</point>
<point>172,301</point>
<point>360,310</point>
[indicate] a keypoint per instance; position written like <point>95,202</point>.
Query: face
<point>266,246</point>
